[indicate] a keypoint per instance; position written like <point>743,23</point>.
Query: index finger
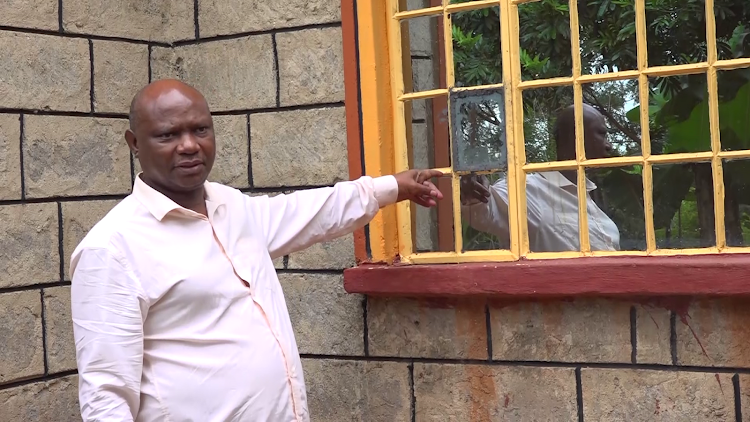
<point>428,174</point>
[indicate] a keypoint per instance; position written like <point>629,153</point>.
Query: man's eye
<point>202,129</point>
<point>166,135</point>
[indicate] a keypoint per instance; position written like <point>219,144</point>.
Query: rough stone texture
<point>120,70</point>
<point>220,17</point>
<point>337,254</point>
<point>165,20</point>
<point>78,219</point>
<point>44,72</point>
<point>714,333</point>
<point>635,395</point>
<point>652,331</point>
<point>339,329</point>
<point>492,393</point>
<point>230,167</point>
<point>28,240</point>
<point>61,348</point>
<point>429,329</point>
<point>579,331</point>
<point>70,156</point>
<point>424,76</point>
<point>311,66</point>
<point>21,334</point>
<point>347,391</point>
<point>309,151</point>
<point>54,400</point>
<point>423,34</point>
<point>745,394</point>
<point>10,151</point>
<point>233,74</point>
<point>39,14</point>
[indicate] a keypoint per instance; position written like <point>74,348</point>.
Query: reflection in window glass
<point>737,202</point>
<point>484,211</point>
<point>540,110</point>
<point>433,227</point>
<point>479,130</point>
<point>732,28</point>
<point>545,39</point>
<point>607,35</point>
<point>477,58</point>
<point>617,102</point>
<point>676,32</point>
<point>619,193</point>
<point>734,109</point>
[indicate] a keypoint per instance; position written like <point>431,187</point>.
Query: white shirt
<point>179,317</point>
<point>552,209</point>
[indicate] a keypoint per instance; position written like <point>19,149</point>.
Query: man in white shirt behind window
<point>552,197</point>
<point>177,311</point>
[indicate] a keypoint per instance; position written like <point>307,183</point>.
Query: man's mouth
<point>189,164</point>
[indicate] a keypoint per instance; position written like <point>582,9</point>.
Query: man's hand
<point>474,189</point>
<point>415,185</point>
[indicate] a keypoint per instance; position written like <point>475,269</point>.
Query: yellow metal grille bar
<point>733,63</point>
<point>421,95</point>
<point>445,8</point>
<point>456,257</point>
<point>450,80</point>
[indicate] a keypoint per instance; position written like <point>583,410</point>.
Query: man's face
<point>595,136</point>
<point>174,141</point>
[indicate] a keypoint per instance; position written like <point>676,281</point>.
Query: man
<point>178,313</point>
<point>552,197</point>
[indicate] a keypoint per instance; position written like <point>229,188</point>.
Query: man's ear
<point>132,141</point>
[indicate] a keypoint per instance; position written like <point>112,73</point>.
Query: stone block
<point>311,151</point>
<point>21,331</point>
<point>339,330</point>
<point>29,244</point>
<point>336,254</point>
<point>441,328</point>
<point>346,391</point>
<point>37,14</point>
<point>78,219</point>
<point>44,72</point>
<point>424,74</point>
<point>72,156</point>
<point>230,167</point>
<point>165,20</point>
<point>423,34</point>
<point>311,66</point>
<point>458,393</point>
<point>714,333</point>
<point>221,17</point>
<point>652,335</point>
<point>639,395</point>
<point>234,74</point>
<point>53,400</point>
<point>744,380</point>
<point>120,70</point>
<point>578,331</point>
<point>61,348</point>
<point>10,150</point>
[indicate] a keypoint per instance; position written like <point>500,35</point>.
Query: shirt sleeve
<point>298,220</point>
<point>108,310</point>
<point>491,217</point>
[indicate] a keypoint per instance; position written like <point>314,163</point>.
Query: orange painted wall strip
<point>351,100</point>
<point>377,117</point>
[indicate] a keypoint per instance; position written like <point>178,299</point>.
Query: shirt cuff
<point>386,190</point>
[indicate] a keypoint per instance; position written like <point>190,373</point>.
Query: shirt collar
<point>159,205</point>
<point>557,178</point>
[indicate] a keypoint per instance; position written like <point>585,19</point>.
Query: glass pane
<point>734,109</point>
<point>477,58</point>
<point>405,5</point>
<point>428,139</point>
<point>541,108</point>
<point>618,103</point>
<point>737,202</point>
<point>683,206</point>
<point>484,211</point>
<point>552,211</point>
<point>732,28</point>
<point>423,67</point>
<point>607,34</point>
<point>617,209</point>
<point>478,122</point>
<point>545,40</point>
<point>678,114</point>
<point>676,32</point>
<point>433,227</point>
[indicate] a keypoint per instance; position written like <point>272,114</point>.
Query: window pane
<point>737,202</point>
<point>478,122</point>
<point>676,32</point>
<point>424,68</point>
<point>433,227</point>
<point>607,34</point>
<point>552,211</point>
<point>545,39</point>
<point>477,58</point>
<point>618,103</point>
<point>617,209</point>
<point>678,114</point>
<point>541,108</point>
<point>428,139</point>
<point>683,206</point>
<point>734,109</point>
<point>732,27</point>
<point>484,211</point>
<point>405,5</point>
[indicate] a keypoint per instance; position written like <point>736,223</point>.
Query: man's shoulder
<point>116,221</point>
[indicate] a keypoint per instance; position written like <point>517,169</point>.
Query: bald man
<point>552,197</point>
<point>178,314</point>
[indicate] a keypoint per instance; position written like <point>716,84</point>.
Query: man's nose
<point>188,144</point>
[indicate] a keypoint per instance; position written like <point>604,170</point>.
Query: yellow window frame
<point>385,131</point>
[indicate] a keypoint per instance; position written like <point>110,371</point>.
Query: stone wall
<point>272,72</point>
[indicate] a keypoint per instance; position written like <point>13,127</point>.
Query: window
<point>601,128</point>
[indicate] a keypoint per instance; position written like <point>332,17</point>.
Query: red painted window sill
<point>628,276</point>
